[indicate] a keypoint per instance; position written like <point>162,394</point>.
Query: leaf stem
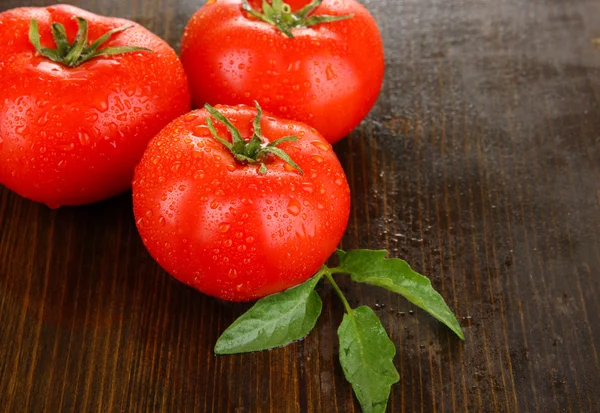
<point>338,291</point>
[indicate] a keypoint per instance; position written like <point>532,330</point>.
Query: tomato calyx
<point>256,150</point>
<point>78,52</point>
<point>280,15</point>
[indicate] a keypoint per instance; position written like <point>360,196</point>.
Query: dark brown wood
<point>480,165</point>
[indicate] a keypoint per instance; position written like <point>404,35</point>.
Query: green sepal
<point>78,52</point>
<point>280,15</point>
<point>255,151</point>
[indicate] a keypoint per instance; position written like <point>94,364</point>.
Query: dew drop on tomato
<point>84,138</point>
<point>294,207</point>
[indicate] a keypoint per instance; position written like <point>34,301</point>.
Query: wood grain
<point>480,165</point>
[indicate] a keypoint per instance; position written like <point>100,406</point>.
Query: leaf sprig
<point>366,352</point>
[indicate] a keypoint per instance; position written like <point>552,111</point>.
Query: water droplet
<point>294,207</point>
<point>233,273</point>
<point>175,167</point>
<point>308,187</point>
<point>241,248</point>
<point>42,120</point>
<point>339,181</point>
<point>101,105</point>
<point>140,222</point>
<point>224,227</point>
<point>289,167</point>
<point>162,221</point>
<point>214,204</point>
<point>199,174</point>
<point>318,158</point>
<point>190,117</point>
<point>228,243</point>
<point>250,240</point>
<point>231,168</point>
<point>68,147</point>
<point>330,73</point>
<point>182,187</point>
<point>321,145</point>
<point>84,138</point>
<point>200,130</point>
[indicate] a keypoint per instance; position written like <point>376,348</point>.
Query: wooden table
<point>480,165</point>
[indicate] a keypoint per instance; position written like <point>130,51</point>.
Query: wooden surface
<point>480,165</point>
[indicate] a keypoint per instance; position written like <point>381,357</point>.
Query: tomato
<point>328,75</point>
<point>71,129</point>
<point>240,227</point>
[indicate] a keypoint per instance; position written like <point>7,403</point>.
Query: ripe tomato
<point>228,226</point>
<point>72,131</point>
<point>328,75</point>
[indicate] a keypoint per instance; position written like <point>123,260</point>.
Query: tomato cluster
<point>236,203</point>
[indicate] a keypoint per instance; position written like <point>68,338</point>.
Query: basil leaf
<point>372,267</point>
<point>274,321</point>
<point>366,354</point>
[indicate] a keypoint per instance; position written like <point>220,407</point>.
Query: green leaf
<point>372,267</point>
<point>366,354</point>
<point>274,321</point>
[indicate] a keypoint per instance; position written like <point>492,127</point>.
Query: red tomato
<point>73,135</point>
<point>328,75</point>
<point>221,226</point>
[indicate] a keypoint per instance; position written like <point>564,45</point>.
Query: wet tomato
<point>248,209</point>
<point>320,63</point>
<point>81,95</point>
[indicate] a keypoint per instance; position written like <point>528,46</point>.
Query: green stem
<point>72,55</point>
<point>280,15</point>
<point>255,151</point>
<point>338,291</point>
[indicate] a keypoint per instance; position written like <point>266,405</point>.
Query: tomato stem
<point>337,290</point>
<point>78,52</point>
<point>256,150</point>
<point>280,15</point>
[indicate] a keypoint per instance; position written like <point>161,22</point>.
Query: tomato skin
<point>328,76</point>
<point>224,229</point>
<point>71,136</point>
